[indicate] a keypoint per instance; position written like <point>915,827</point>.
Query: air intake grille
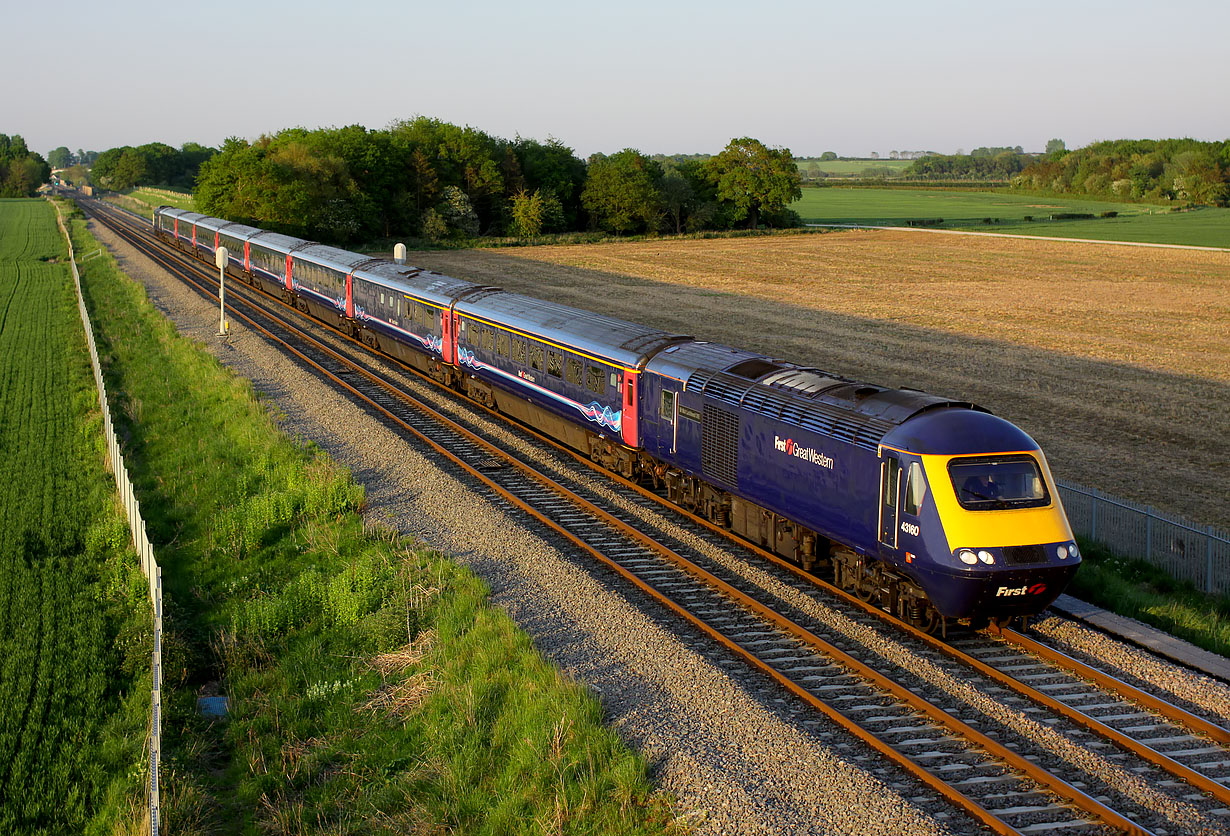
<point>1021,555</point>
<point>719,445</point>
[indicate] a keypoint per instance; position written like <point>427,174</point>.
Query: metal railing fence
<point>136,525</point>
<point>1189,552</point>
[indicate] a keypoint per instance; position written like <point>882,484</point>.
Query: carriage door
<point>890,492</point>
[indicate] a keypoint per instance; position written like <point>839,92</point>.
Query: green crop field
<point>70,744</point>
<point>1206,227</point>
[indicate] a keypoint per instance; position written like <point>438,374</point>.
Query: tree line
<point>152,164</point>
<point>990,163</point>
<point>442,181</point>
<point>22,171</point>
<point>1163,170</point>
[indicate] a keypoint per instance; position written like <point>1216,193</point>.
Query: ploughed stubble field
<point>1115,359</point>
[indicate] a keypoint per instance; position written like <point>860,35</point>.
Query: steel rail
<point>786,625</point>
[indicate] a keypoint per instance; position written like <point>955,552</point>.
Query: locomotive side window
<point>915,489</point>
<point>501,343</point>
<point>668,405</point>
<point>595,380</point>
<point>574,371</point>
<point>536,356</point>
<point>996,483</point>
<point>555,363</point>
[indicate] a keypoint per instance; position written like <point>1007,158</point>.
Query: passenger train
<point>930,508</point>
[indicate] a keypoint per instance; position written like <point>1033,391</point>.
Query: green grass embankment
<point>372,689</point>
<point>144,201</point>
<point>1139,590</point>
<point>75,622</point>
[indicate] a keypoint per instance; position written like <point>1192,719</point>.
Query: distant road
<point>1029,237</point>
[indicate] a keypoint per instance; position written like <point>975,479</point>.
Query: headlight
<point>1062,552</point>
<point>986,557</point>
<point>1072,550</point>
<point>967,556</point>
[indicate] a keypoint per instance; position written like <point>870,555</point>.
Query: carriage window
<point>501,343</point>
<point>574,371</point>
<point>668,405</point>
<point>488,339</point>
<point>594,380</point>
<point>615,381</point>
<point>425,316</point>
<point>518,352</point>
<point>555,363</point>
<point>915,489</point>
<point>536,356</point>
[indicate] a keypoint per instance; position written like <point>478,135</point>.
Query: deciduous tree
<point>755,179</point>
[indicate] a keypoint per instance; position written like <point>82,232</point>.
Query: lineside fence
<point>136,525</point>
<point>1189,552</point>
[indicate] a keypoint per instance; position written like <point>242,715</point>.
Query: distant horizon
<point>811,77</point>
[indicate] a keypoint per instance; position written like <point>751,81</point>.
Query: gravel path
<point>735,760</point>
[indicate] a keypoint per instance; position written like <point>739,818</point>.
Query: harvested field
<point>1116,359</point>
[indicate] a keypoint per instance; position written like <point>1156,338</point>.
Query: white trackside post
<point>221,256</point>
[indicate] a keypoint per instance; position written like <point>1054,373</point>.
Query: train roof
<point>277,242</point>
<point>952,432</point>
<point>237,230</point>
<point>860,413</point>
<point>341,260</point>
<point>624,343</point>
<point>424,284</point>
<point>192,217</point>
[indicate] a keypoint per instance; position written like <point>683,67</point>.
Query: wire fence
<point>1189,552</point>
<point>136,525</point>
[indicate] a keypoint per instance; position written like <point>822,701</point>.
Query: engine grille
<point>1023,555</point>
<point>719,445</point>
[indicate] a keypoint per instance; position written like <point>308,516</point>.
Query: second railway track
<point>971,739</point>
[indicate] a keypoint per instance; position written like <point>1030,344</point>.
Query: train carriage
<point>320,276</point>
<point>406,312</point>
<point>235,237</point>
<point>564,370</point>
<point>269,260</point>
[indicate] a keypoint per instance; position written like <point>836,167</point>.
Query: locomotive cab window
<point>997,483</point>
<point>915,489</point>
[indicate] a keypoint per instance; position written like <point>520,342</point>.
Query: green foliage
<point>21,170</point>
<point>153,164</point>
<point>998,164</point>
<point>755,179</point>
<point>1142,591</point>
<point>60,157</point>
<point>623,193</point>
<point>74,627</point>
<point>1158,171</point>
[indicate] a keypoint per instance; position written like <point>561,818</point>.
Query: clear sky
<point>662,77</point>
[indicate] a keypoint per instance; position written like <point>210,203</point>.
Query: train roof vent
<point>802,381</point>
<point>765,401</point>
<point>725,389</point>
<point>755,368</point>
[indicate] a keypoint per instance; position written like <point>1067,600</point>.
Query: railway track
<point>811,639</point>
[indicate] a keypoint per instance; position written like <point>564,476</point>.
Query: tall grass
<point>371,688</point>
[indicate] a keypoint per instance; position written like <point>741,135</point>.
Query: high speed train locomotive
<point>931,508</point>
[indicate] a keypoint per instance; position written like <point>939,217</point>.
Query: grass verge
<point>1139,590</point>
<point>74,618</point>
<point>371,688</point>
